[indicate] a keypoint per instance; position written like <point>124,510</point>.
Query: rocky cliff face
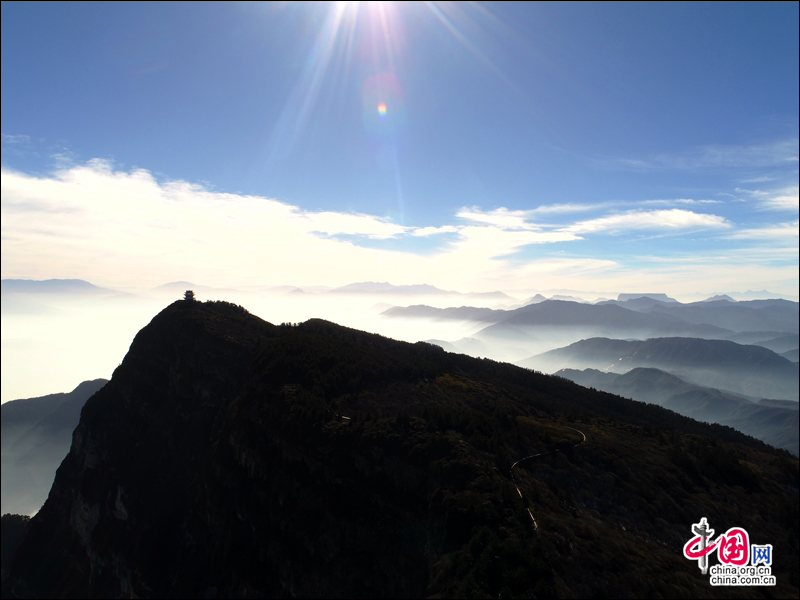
<point>228,457</point>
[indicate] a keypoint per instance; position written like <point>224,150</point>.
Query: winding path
<point>538,455</point>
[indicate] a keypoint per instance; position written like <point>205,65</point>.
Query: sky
<point>473,146</point>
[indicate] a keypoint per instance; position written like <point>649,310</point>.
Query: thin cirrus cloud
<point>779,153</point>
<point>784,202</point>
<point>781,232</point>
<point>786,199</point>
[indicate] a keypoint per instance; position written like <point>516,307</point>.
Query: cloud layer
<point>126,228</point>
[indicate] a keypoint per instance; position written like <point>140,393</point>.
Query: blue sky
<point>551,144</point>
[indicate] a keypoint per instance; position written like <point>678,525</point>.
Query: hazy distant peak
<point>653,296</point>
<point>719,298</point>
<point>535,299</point>
<point>51,286</point>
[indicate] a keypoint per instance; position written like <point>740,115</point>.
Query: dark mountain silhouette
<point>218,462</point>
<point>13,529</point>
<point>751,370</point>
<point>36,435</point>
<point>467,345</point>
<point>775,426</point>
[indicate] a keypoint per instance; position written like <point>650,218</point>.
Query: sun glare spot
<point>382,108</point>
<point>342,7</point>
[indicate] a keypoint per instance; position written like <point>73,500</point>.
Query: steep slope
<point>36,435</point>
<point>218,462</point>
<point>777,426</point>
<point>750,370</point>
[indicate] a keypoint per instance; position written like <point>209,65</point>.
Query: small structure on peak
<point>188,296</point>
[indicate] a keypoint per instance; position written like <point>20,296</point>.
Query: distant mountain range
<point>658,297</point>
<point>776,426</point>
<point>544,324</point>
<point>52,286</point>
<point>722,316</point>
<point>36,435</point>
<point>562,314</point>
<point>750,315</point>
<point>593,319</point>
<point>750,370</point>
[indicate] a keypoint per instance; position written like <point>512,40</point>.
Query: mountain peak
<point>719,298</point>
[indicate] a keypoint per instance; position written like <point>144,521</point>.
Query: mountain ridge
<point>216,463</point>
<point>746,369</point>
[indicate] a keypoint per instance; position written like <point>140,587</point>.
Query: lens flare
<point>382,108</point>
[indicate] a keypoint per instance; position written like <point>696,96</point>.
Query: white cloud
<point>428,231</point>
<point>568,207</point>
<point>590,207</point>
<point>499,217</point>
<point>679,201</point>
<point>785,200</point>
<point>779,232</point>
<point>671,219</point>
<point>334,223</point>
<point>126,229</point>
